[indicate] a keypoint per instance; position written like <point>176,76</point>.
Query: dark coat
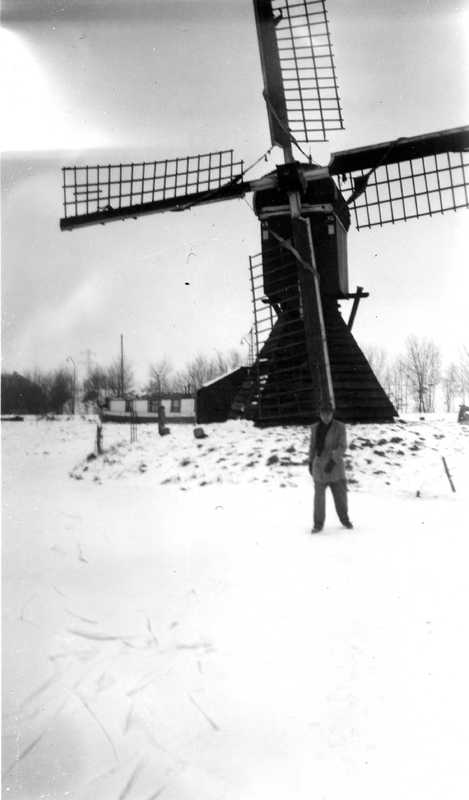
<point>335,445</point>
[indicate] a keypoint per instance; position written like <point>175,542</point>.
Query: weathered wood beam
<point>357,297</point>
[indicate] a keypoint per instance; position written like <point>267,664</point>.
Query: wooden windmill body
<point>305,351</point>
<point>289,377</point>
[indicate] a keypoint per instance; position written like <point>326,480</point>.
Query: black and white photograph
<point>235,399</point>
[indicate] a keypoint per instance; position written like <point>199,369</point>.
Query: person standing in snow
<point>326,465</point>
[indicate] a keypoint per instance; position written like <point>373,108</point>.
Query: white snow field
<point>171,628</point>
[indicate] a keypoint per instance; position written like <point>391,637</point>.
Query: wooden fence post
<point>448,474</point>
<point>99,439</point>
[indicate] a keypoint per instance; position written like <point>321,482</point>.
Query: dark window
<point>176,405</point>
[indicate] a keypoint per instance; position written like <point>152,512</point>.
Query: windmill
<point>305,351</point>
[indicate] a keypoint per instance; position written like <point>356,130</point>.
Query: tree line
<point>415,378</point>
<point>54,391</point>
<point>411,380</point>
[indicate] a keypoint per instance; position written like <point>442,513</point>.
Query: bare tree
<point>422,365</point>
<point>56,386</point>
<point>451,385</point>
<point>463,369</point>
<point>196,372</point>
<point>378,361</point>
<point>203,369</point>
<point>61,390</point>
<point>42,379</point>
<point>119,382</point>
<point>224,362</point>
<point>396,383</point>
<point>95,384</point>
<point>160,380</point>
<point>391,374</point>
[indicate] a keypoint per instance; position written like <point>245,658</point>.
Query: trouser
<point>339,493</point>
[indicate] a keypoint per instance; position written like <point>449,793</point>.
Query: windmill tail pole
<point>448,474</point>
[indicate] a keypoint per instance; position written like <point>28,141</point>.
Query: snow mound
<point>406,456</point>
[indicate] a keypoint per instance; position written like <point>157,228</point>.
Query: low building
<point>178,407</point>
<point>215,398</point>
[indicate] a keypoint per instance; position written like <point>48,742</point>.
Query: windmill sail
<point>405,179</point>
<point>299,72</point>
<point>98,194</point>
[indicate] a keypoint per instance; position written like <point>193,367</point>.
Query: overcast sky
<point>109,80</point>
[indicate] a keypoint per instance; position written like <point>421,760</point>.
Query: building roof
<point>222,377</point>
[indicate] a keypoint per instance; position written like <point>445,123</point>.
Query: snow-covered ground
<point>171,628</point>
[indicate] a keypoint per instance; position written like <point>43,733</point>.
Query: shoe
<point>348,525</point>
<point>316,529</point>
